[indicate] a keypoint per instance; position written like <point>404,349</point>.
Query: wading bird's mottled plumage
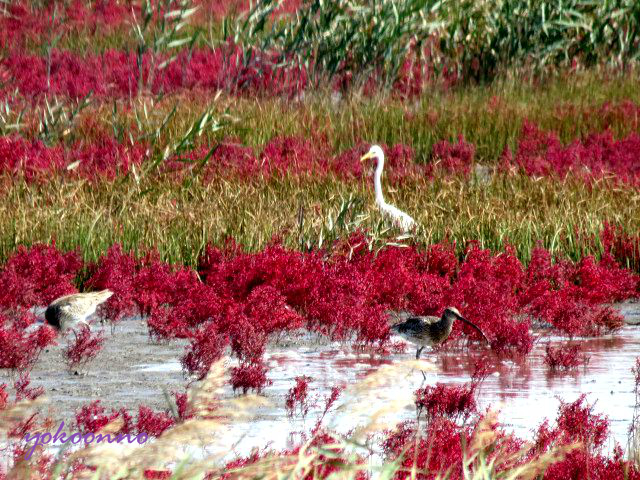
<point>429,330</point>
<point>66,312</point>
<point>397,216</point>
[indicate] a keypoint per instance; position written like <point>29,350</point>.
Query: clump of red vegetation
<point>250,376</point>
<point>455,402</point>
<point>84,347</point>
<point>298,397</point>
<point>564,357</point>
<point>240,300</point>
<point>452,401</point>
<point>37,276</point>
<point>115,73</point>
<point>143,286</point>
<point>24,390</point>
<point>152,423</point>
<point>329,402</point>
<point>622,246</point>
<point>103,159</point>
<point>538,154</point>
<point>439,446</point>
<point>598,156</point>
<point>115,271</point>
<point>453,158</point>
<point>92,417</point>
<point>206,347</point>
<point>20,349</point>
<point>24,22</point>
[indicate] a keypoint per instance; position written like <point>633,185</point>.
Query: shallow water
<point>525,392</point>
<point>131,370</point>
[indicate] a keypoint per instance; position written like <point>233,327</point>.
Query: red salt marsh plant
<point>564,357</point>
<point>140,285</point>
<point>453,158</point>
<point>442,445</point>
<point>115,271</point>
<point>84,347</point>
<point>116,73</point>
<point>538,154</point>
<point>622,246</point>
<point>599,155</point>
<point>24,390</point>
<point>23,22</point>
<point>20,349</point>
<point>242,300</point>
<point>251,375</point>
<point>572,447</point>
<point>207,346</point>
<point>103,159</point>
<point>92,417</point>
<point>456,402</point>
<point>569,296</point>
<point>37,276</point>
<point>298,397</point>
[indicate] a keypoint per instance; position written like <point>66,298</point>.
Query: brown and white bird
<point>429,330</point>
<point>68,311</point>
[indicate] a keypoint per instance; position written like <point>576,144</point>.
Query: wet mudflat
<point>131,370</point>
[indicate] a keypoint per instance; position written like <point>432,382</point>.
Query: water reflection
<point>525,390</point>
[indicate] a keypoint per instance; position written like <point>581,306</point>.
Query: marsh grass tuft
<point>565,216</point>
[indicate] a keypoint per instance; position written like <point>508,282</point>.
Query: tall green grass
<point>476,40</point>
<point>307,213</point>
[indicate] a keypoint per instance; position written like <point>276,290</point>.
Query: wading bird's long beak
<point>473,325</point>
<point>366,156</point>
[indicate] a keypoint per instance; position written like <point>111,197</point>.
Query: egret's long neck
<point>377,181</point>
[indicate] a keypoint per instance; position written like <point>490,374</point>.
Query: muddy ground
<point>131,370</point>
<point>128,371</point>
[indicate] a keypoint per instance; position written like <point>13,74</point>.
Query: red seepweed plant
<point>454,402</point>
<point>84,347</point>
<point>538,154</point>
<point>298,397</point>
<point>92,417</point>
<point>442,444</point>
<point>24,390</point>
<point>564,357</point>
<point>19,349</point>
<point>250,375</point>
<point>598,156</point>
<point>245,299</point>
<point>37,276</point>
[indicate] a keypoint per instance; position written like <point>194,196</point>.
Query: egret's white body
<point>397,216</point>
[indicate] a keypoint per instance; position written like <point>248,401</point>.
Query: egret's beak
<point>366,156</point>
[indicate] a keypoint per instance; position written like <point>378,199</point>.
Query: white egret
<point>398,217</point>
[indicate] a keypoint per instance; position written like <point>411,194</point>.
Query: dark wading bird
<point>429,330</point>
<point>68,311</point>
